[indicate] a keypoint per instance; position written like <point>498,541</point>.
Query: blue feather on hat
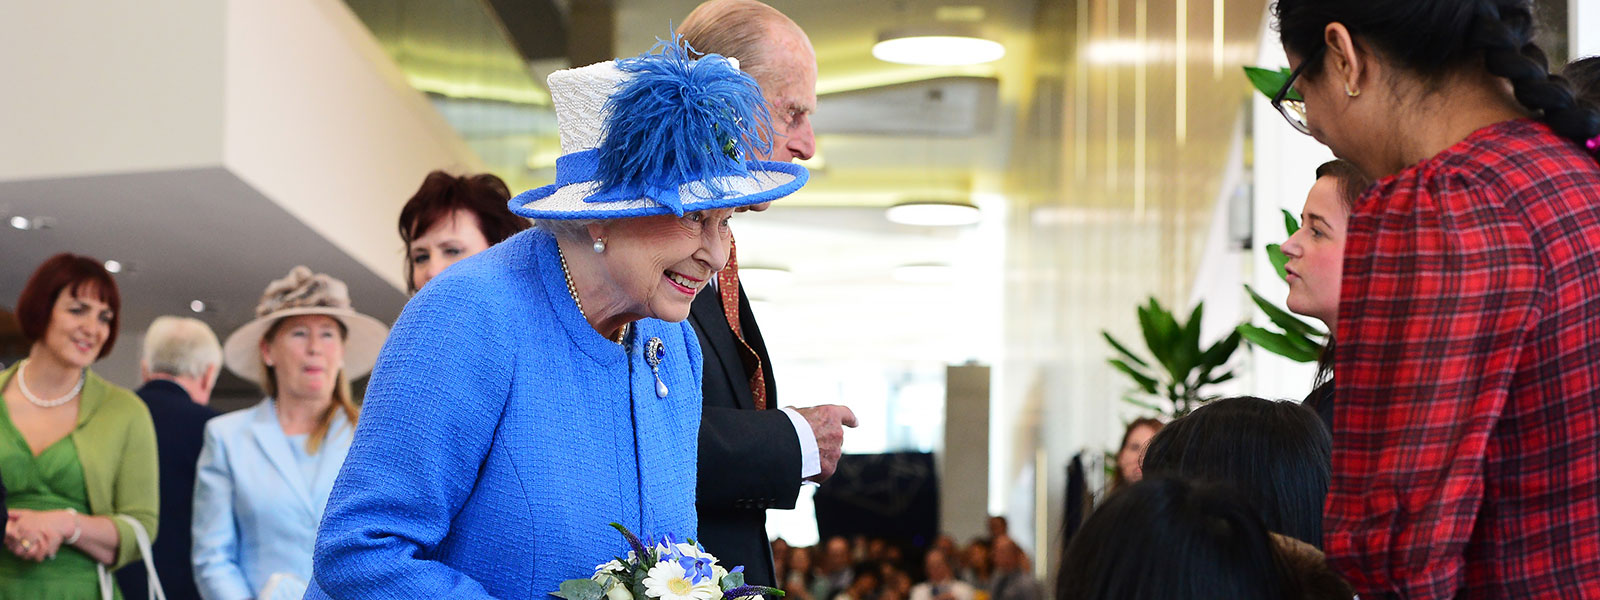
<point>678,120</point>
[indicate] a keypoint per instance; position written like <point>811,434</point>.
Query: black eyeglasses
<point>1289,102</point>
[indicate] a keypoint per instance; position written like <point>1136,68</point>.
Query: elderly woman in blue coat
<point>264,473</point>
<point>539,390</point>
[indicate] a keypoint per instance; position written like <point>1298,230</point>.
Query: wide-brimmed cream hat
<point>666,132</point>
<point>305,293</point>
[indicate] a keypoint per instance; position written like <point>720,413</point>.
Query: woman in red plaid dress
<point>1467,424</point>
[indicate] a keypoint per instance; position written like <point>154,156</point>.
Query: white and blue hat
<point>660,133</point>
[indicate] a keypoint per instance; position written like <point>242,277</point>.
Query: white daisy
<point>668,581</point>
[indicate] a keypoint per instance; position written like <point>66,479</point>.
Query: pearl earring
<point>599,245</point>
<point>1349,92</point>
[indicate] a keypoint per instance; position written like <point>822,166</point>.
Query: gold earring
<point>1349,92</point>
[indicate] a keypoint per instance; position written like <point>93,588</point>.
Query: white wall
<point>109,86</point>
<point>323,123</point>
<point>1583,28</point>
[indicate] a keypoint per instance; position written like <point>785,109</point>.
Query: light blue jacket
<point>254,514</point>
<point>501,434</point>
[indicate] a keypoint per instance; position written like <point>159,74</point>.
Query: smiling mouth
<point>685,283</point>
<point>83,345</point>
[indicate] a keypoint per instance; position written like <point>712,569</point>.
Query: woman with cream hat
<point>543,388</point>
<point>265,472</point>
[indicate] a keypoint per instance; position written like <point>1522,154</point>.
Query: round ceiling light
<point>945,45</point>
<point>113,267</point>
<point>934,214</point>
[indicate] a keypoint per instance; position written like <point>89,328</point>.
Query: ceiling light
<point>924,273</point>
<point>20,223</point>
<point>197,306</point>
<point>934,213</point>
<point>940,45</point>
<point>113,267</point>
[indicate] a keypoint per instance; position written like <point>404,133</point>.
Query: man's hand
<point>828,422</point>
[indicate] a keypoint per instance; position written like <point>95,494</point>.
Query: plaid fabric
<point>1466,459</point>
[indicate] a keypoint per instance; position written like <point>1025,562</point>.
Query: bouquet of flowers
<point>664,570</point>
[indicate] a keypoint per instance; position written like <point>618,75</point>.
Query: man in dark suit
<point>752,458</point>
<point>180,365</point>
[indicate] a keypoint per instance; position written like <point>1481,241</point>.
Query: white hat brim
<point>768,181</point>
<point>364,337</point>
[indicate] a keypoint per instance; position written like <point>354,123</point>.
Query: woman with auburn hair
<point>78,454</point>
<point>452,217</point>
<point>1468,335</point>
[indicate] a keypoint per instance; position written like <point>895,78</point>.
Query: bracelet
<point>77,529</point>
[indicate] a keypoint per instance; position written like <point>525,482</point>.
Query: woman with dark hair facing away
<point>1275,454</point>
<point>77,453</point>
<point>1469,338</point>
<point>1164,538</point>
<point>452,217</point>
<point>1316,263</point>
<point>1134,439</point>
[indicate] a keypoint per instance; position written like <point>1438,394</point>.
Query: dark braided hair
<point>1584,75</point>
<point>1435,37</point>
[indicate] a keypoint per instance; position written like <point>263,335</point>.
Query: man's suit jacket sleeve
<point>748,459</point>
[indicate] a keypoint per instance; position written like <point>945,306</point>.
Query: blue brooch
<point>653,353</point>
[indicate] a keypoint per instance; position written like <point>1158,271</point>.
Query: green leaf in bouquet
<point>732,580</point>
<point>1290,223</point>
<point>581,589</point>
<point>1269,81</point>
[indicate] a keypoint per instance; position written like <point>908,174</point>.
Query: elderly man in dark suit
<point>180,365</point>
<point>753,458</point>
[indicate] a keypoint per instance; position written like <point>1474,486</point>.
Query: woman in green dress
<point>76,452</point>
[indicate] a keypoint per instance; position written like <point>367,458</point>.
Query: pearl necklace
<point>622,334</point>
<point>32,399</point>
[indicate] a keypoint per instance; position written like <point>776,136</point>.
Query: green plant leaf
<point>1144,405</point>
<point>1291,223</point>
<point>1269,81</point>
<point>1146,382</point>
<point>581,589</point>
<point>1223,377</point>
<point>1283,319</point>
<point>1219,353</point>
<point>1128,354</point>
<point>1276,343</point>
<point>1157,334</point>
<point>732,580</point>
<point>1278,259</point>
<point>1186,355</point>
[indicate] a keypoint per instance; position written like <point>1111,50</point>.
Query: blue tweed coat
<point>499,437</point>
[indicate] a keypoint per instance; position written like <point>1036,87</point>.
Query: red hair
<point>441,194</point>
<point>68,273</point>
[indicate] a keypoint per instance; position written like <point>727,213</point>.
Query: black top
<point>1321,400</point>
<point>180,433</point>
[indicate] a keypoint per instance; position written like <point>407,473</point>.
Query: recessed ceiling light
<point>924,273</point>
<point>197,306</point>
<point>20,223</point>
<point>934,213</point>
<point>113,267</point>
<point>940,45</point>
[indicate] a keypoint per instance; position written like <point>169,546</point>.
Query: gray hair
<point>181,346</point>
<point>571,229</point>
<point>739,29</point>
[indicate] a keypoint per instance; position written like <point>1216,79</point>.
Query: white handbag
<point>108,583</point>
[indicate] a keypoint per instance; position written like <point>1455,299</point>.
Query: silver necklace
<point>622,334</point>
<point>32,399</point>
